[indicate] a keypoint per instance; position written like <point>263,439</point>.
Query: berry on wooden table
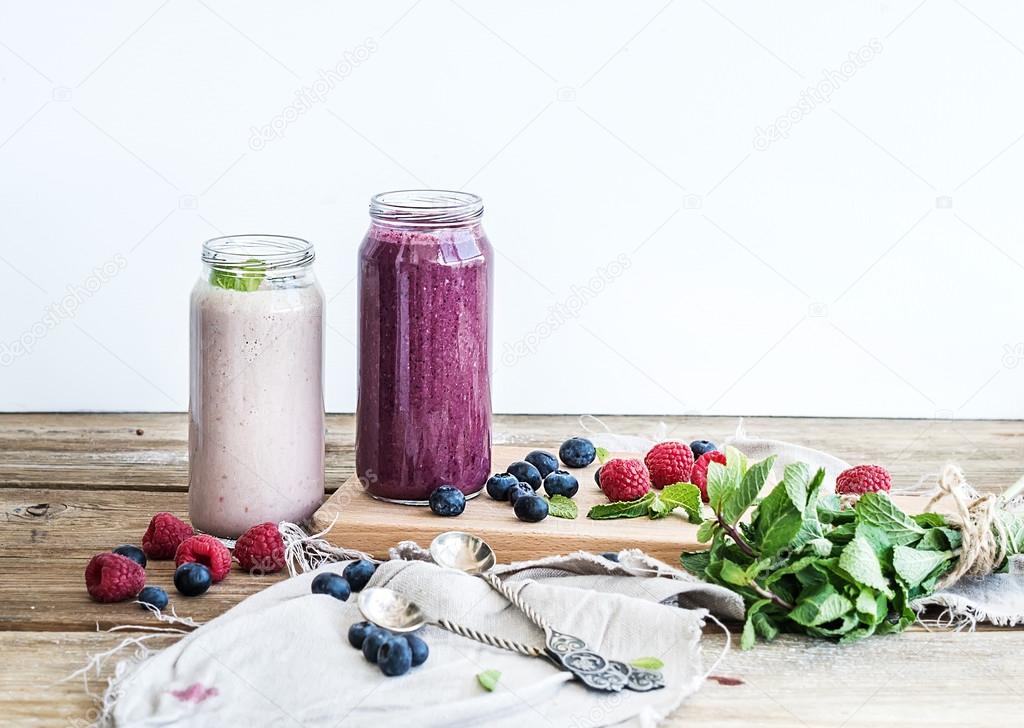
<point>625,479</point>
<point>261,549</point>
<point>863,479</point>
<point>526,472</point>
<point>544,461</point>
<point>669,463</point>
<point>447,500</point>
<point>132,552</point>
<point>111,577</point>
<point>561,482</point>
<point>154,596</point>
<point>499,484</point>
<point>205,550</point>
<point>699,471</point>
<point>518,491</point>
<point>192,579</point>
<point>166,531</point>
<point>699,447</point>
<point>577,452</point>
<point>531,508</point>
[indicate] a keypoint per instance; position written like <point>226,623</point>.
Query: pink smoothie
<point>256,406</point>
<point>424,410</point>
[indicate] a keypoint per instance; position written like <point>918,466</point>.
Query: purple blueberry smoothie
<point>424,409</point>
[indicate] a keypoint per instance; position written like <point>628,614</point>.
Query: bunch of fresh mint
<point>803,564</point>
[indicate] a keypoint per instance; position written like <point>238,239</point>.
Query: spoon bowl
<point>462,551</point>
<point>390,610</point>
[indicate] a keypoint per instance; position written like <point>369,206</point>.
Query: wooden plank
<point>103,451</point>
<point>359,521</point>
<point>945,680</point>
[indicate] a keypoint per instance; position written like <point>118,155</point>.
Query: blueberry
<point>531,508</point>
<point>518,491</point>
<point>371,645</point>
<point>526,472</point>
<point>597,476</point>
<point>545,462</point>
<point>419,649</point>
<point>699,447</point>
<point>132,552</point>
<point>499,484</point>
<point>577,452</point>
<point>358,573</point>
<point>154,596</point>
<point>331,584</point>
<point>561,483</point>
<point>611,556</point>
<point>192,579</point>
<point>394,656</point>
<point>447,500</point>
<point>359,632</point>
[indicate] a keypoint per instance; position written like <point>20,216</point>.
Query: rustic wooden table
<point>75,485</point>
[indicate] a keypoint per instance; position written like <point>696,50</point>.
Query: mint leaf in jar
<point>247,278</point>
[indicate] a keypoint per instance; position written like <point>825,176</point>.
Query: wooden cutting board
<point>360,522</point>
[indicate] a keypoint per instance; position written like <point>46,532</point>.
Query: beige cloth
<point>281,657</point>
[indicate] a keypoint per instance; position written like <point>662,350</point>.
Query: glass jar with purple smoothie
<point>256,398</point>
<point>423,417</point>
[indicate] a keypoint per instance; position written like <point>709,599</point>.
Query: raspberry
<point>261,548</point>
<point>699,472</point>
<point>205,550</point>
<point>166,531</point>
<point>111,577</point>
<point>863,479</point>
<point>624,480</point>
<point>669,463</point>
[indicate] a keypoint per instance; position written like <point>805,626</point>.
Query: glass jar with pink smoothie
<point>256,402</point>
<point>423,417</point>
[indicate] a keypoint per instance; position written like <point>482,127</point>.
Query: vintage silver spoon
<point>470,553</point>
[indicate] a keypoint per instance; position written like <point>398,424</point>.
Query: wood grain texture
<point>945,680</point>
<point>73,485</point>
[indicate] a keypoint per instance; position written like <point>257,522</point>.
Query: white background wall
<point>869,261</point>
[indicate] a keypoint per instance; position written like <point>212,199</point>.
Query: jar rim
<point>426,207</point>
<point>273,252</point>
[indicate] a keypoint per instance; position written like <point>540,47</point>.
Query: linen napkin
<point>281,657</point>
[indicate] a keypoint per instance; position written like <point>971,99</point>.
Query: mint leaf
<point>621,509</point>
<point>876,509</point>
<point>821,605</point>
<point>797,478</point>
<point>734,574</point>
<point>685,496</point>
<point>935,520</point>
<point>658,508</point>
<point>561,506</point>
<point>749,488</point>
<point>488,679</point>
<point>247,278</point>
<point>647,663</point>
<point>602,454</point>
<point>747,640</point>
<point>707,530</point>
<point>914,566</point>
<point>820,546</point>
<point>695,562</point>
<point>859,560</point>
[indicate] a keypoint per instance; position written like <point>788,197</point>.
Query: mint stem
<point>766,594</point>
<point>735,536</point>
